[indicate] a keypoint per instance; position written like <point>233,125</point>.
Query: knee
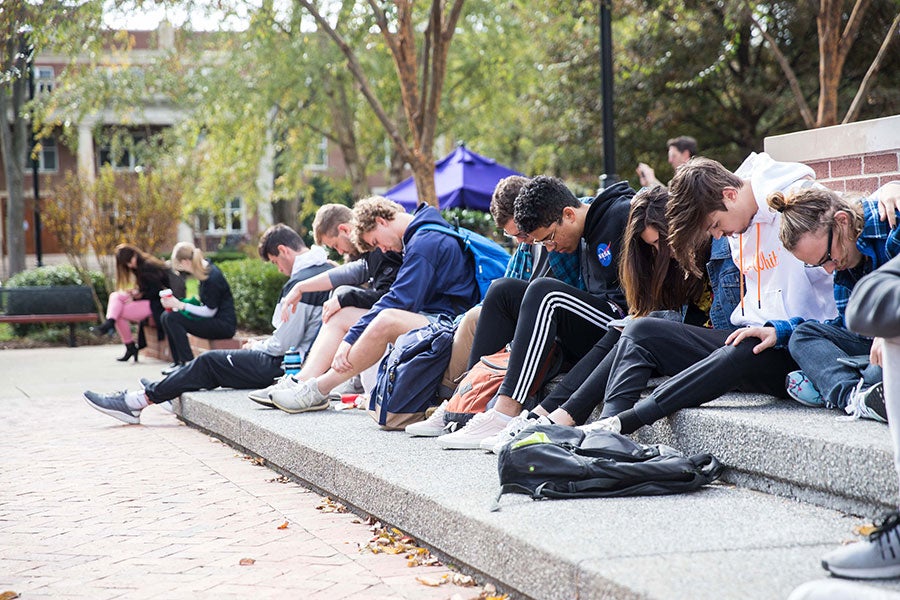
<point>387,322</point>
<point>168,319</point>
<point>803,333</point>
<point>501,289</point>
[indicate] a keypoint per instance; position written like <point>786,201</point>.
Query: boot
<point>131,349</point>
<point>105,329</point>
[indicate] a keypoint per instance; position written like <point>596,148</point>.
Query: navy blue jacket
<point>436,276</point>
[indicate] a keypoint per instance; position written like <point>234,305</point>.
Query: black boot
<point>130,350</point>
<point>105,329</point>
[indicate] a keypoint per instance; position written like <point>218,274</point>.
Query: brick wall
<point>857,157</point>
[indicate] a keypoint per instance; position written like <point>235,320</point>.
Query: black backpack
<point>552,461</point>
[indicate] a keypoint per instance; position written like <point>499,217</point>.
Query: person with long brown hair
<point>139,279</point>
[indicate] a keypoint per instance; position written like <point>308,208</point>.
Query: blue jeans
<point>817,346</point>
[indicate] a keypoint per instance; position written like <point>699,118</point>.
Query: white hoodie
<point>777,285</point>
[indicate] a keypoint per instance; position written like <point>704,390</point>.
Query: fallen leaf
<point>432,581</point>
<point>283,525</point>
<point>864,530</point>
<point>9,595</point>
<point>462,580</point>
<point>246,562</point>
<point>280,479</point>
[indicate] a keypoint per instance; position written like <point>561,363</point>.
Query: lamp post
<point>28,52</point>
<point>606,85</point>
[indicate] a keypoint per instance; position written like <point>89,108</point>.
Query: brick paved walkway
<point>93,508</point>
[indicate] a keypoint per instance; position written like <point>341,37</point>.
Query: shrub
<point>476,220</point>
<point>256,287</point>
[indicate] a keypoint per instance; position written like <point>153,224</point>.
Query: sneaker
<point>300,398</point>
<point>433,426</point>
<point>172,368</point>
<point>867,403</point>
<point>264,397</point>
<point>113,405</point>
<point>801,389</point>
<point>495,443</point>
<point>166,406</point>
<point>875,558</point>
<point>837,589</point>
<point>470,435</point>
<point>608,424</point>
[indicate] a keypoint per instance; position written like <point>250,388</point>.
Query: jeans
<point>817,346</point>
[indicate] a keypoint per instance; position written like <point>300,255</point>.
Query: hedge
<point>256,287</point>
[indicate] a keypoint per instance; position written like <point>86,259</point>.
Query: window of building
<point>318,156</point>
<point>124,157</point>
<point>43,80</point>
<point>231,218</point>
<point>48,159</point>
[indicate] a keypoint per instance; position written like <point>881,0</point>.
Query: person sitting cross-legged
<point>849,239</point>
<point>437,277</point>
<point>258,362</point>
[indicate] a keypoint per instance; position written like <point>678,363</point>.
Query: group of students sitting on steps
<point>724,281</point>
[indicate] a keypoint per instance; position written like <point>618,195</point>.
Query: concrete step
<point>722,542</point>
<point>781,447</point>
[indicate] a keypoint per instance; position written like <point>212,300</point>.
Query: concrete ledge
<point>721,542</point>
<point>780,447</point>
<point>864,137</point>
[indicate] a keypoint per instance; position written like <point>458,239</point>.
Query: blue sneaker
<point>801,389</point>
<point>113,405</point>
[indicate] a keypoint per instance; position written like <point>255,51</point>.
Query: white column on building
<point>265,179</point>
<point>86,165</point>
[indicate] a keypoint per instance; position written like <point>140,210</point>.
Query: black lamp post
<point>28,53</point>
<point>606,84</point>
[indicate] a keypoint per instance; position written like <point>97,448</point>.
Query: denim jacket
<point>725,281</point>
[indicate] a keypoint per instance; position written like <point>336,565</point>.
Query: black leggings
<point>701,365</point>
<point>533,315</point>
<point>177,326</point>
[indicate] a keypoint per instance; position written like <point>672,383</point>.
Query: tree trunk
<point>423,174</point>
<point>14,145</point>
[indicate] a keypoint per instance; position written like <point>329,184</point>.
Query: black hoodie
<point>601,242</point>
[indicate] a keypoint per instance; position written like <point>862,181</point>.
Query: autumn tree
<point>839,25</point>
<point>28,28</point>
<point>419,44</point>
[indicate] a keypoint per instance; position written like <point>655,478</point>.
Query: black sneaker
<point>868,403</point>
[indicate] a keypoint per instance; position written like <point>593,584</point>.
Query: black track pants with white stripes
<point>550,309</point>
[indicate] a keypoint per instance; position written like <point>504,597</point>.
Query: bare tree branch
<point>800,100</point>
<point>355,68</point>
<point>852,29</point>
<point>856,105</point>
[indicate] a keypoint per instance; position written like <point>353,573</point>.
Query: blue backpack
<point>490,257</point>
<point>410,375</point>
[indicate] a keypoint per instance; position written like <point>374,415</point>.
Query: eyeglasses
<point>549,240</point>
<point>827,253</point>
<point>519,236</point>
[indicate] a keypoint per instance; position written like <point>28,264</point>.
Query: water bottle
<point>292,361</point>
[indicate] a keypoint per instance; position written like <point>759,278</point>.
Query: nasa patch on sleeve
<point>604,254</point>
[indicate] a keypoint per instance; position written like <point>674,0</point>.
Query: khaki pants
<point>459,357</point>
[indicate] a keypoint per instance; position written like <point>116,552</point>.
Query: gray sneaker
<point>113,405</point>
<point>875,558</point>
<point>303,397</point>
<point>263,396</point>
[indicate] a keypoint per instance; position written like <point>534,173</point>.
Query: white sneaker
<point>303,397</point>
<point>608,424</point>
<point>495,443</point>
<point>264,396</point>
<point>433,426</point>
<point>469,436</point>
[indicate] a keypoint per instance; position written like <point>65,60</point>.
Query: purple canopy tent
<point>462,179</point>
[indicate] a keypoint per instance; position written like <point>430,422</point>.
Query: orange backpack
<point>479,386</point>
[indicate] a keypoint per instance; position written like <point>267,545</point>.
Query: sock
<point>501,416</point>
<point>136,400</point>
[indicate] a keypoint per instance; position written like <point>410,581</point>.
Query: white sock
<point>136,400</point>
<point>501,416</point>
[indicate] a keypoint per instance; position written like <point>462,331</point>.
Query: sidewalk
<point>93,508</point>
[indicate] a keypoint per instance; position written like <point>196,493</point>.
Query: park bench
<point>68,304</point>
